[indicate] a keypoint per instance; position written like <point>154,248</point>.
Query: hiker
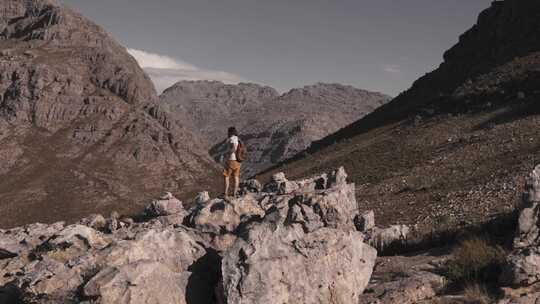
<point>233,158</point>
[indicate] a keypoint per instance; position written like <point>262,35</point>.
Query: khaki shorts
<point>232,168</point>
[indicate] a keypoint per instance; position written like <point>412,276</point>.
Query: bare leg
<point>226,192</point>
<point>236,185</point>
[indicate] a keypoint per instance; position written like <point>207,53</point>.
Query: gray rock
<point>138,283</point>
<point>523,264</point>
<point>50,278</point>
<point>218,216</point>
<point>168,205</point>
<point>335,207</point>
<point>273,263</point>
<point>81,236</point>
<point>177,250</point>
<point>250,186</point>
<point>381,238</point>
<point>337,177</point>
<point>366,221</point>
<point>94,221</point>
<point>201,198</point>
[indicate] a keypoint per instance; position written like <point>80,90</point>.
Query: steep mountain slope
<point>273,127</point>
<point>451,150</point>
<point>80,129</point>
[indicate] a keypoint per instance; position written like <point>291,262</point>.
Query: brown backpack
<point>241,152</point>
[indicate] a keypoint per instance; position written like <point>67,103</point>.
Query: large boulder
<point>166,205</point>
<point>21,240</point>
<point>176,249</point>
<point>221,216</point>
<point>138,283</point>
<point>335,207</point>
<point>277,262</point>
<point>79,235</point>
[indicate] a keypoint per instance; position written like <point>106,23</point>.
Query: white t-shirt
<point>233,143</point>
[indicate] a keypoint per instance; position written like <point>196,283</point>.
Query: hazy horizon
<point>372,45</point>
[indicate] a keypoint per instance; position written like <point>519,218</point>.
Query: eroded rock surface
<point>291,247</point>
<point>80,127</point>
<point>523,267</point>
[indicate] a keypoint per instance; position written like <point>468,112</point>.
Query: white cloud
<point>166,71</point>
<point>392,68</point>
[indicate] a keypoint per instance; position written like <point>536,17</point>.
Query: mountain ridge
<point>81,127</point>
<point>452,149</point>
<point>274,126</point>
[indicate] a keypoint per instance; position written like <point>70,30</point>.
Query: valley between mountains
<point>109,192</point>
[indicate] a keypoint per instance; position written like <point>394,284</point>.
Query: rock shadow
<point>206,274</point>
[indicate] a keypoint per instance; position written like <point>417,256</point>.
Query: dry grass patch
<point>476,261</point>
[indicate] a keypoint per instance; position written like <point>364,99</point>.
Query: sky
<point>378,45</point>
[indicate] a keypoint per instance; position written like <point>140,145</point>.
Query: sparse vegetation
<point>477,294</point>
<point>475,262</point>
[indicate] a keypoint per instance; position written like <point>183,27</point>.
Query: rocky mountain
<point>80,127</point>
<point>274,127</point>
<point>452,150</point>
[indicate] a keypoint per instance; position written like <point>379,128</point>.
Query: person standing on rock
<point>234,156</point>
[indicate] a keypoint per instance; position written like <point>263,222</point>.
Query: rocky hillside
<point>452,150</point>
<point>274,127</point>
<point>80,129</point>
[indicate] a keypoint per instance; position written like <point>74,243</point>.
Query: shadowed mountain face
<point>80,129</point>
<point>274,127</point>
<point>451,150</point>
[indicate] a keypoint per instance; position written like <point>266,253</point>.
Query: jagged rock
<point>407,279</point>
<point>366,221</point>
<point>21,240</point>
<point>335,207</point>
<point>138,283</point>
<point>250,186</point>
<point>51,278</point>
<point>523,264</point>
<point>167,205</point>
<point>10,247</point>
<point>409,289</point>
<point>281,185</point>
<point>337,177</point>
<point>273,263</point>
<point>381,238</point>
<point>79,235</point>
<point>277,180</point>
<point>201,198</point>
<point>219,216</point>
<point>112,225</point>
<point>94,221</point>
<point>175,249</point>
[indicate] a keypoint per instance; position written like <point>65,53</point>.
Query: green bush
<point>475,261</point>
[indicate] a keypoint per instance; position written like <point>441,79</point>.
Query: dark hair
<point>232,132</point>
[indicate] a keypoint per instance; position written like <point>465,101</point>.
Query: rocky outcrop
<point>274,263</point>
<point>265,247</point>
<point>273,127</point>
<point>80,128</point>
<point>407,280</point>
<point>523,267</point>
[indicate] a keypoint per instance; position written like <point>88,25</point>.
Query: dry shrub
<point>477,294</point>
<point>476,261</point>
